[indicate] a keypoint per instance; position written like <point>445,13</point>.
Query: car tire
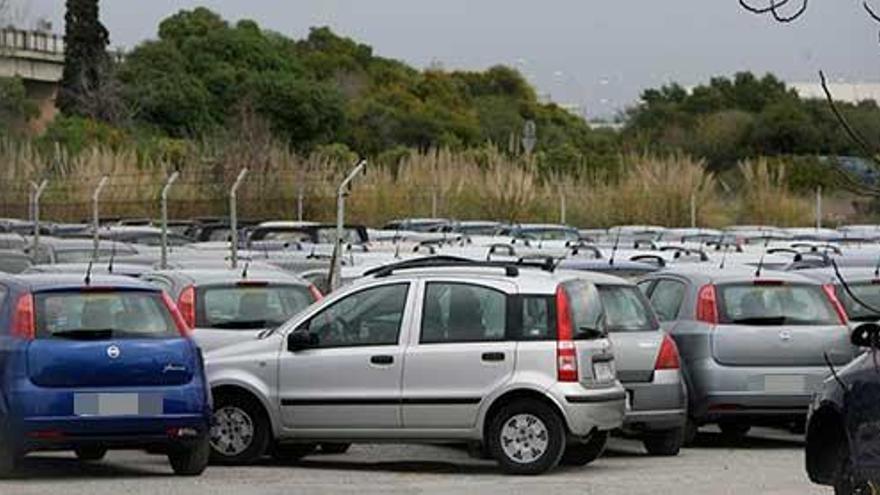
<point>90,454</point>
<point>240,430</point>
<point>8,459</point>
<point>581,454</point>
<point>526,437</point>
<point>734,430</point>
<point>334,448</point>
<point>291,452</point>
<point>664,443</point>
<point>190,460</point>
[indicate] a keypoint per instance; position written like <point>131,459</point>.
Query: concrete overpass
<point>38,59</point>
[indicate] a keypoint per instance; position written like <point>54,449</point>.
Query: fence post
<point>38,193</point>
<point>335,265</point>
<point>563,212</point>
<point>233,216</point>
<point>163,261</point>
<point>693,211</point>
<point>818,207</point>
<point>96,215</point>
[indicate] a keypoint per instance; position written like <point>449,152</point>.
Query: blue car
<point>96,363</point>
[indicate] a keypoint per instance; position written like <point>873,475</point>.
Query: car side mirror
<point>866,335</point>
<point>301,340</point>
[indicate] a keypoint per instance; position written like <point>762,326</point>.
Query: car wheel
<point>690,431</point>
<point>734,430</point>
<point>666,443</point>
<point>526,437</point>
<point>240,431</point>
<point>288,452</point>
<point>90,454</point>
<point>191,460</point>
<point>8,459</point>
<point>581,454</point>
<point>334,448</point>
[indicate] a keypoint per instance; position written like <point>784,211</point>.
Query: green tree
<point>87,65</point>
<point>15,107</point>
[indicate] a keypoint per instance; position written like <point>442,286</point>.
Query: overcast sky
<point>599,54</point>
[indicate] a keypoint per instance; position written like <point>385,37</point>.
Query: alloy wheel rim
<point>232,431</point>
<point>524,438</point>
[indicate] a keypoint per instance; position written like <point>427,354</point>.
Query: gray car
<point>648,365</point>
<point>511,360</point>
<point>753,345</point>
<point>226,307</point>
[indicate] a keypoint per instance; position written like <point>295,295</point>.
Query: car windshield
<point>103,315</point>
<point>770,305</point>
<point>867,294</point>
<point>250,307</point>
<point>86,255</point>
<point>328,236</point>
<point>549,234</point>
<point>626,309</point>
<point>288,235</point>
<point>219,235</point>
<point>487,230</point>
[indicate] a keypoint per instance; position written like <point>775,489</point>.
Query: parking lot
<point>767,462</point>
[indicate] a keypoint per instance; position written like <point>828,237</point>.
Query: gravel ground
<point>767,462</point>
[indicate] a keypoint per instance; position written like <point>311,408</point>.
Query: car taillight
<point>23,320</point>
<point>707,309</point>
<point>182,326</point>
<point>668,358</point>
<point>316,293</point>
<point>186,303</point>
<point>566,353</point>
<point>832,296</point>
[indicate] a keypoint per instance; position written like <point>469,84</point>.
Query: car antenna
<point>244,272</point>
<point>614,249</point>
<point>724,257</point>
<point>112,256</point>
<point>88,279</point>
<point>877,268</point>
<point>761,261</point>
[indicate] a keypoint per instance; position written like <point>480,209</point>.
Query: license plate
<point>785,384</point>
<point>604,371</point>
<point>112,404</point>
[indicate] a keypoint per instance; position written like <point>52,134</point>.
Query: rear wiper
<point>762,320</point>
<point>85,334</point>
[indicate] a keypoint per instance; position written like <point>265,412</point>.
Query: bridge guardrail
<point>35,41</point>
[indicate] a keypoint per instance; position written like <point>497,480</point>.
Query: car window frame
<point>653,289</point>
<point>305,325</point>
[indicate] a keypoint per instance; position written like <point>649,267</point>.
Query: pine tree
<point>86,61</point>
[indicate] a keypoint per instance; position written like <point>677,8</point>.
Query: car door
<point>458,354</point>
<point>351,376</point>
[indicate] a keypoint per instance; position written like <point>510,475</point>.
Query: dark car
<point>843,426</point>
<point>96,363</point>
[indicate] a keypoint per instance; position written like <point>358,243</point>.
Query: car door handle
<point>382,360</point>
<point>493,357</point>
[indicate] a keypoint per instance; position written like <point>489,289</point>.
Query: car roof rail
<point>510,270</point>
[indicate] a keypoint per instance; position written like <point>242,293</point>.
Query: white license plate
<point>112,404</point>
<point>785,384</point>
<point>604,371</point>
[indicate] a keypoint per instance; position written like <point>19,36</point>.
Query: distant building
<point>847,92</point>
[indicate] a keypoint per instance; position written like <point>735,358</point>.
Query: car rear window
<point>867,293</point>
<point>626,309</point>
<point>586,307</point>
<point>250,307</point>
<point>784,304</point>
<point>103,315</point>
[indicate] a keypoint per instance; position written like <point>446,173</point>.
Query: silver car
<point>648,365</point>
<point>753,345</point>
<point>509,359</point>
<point>226,307</point>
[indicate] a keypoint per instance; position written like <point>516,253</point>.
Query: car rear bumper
<point>586,409</point>
<point>657,405</point>
<point>59,433</point>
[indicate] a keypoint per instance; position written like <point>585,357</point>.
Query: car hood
<point>244,349</point>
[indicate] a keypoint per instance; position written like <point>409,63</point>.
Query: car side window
<point>666,299</point>
<point>457,312</point>
<point>366,318</point>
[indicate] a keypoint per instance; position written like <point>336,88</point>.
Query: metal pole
<point>96,215</point>
<point>233,216</point>
<point>38,193</point>
<point>562,206</point>
<point>163,261</point>
<point>335,266</point>
<point>819,207</point>
<point>299,202</point>
<point>693,211</point>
